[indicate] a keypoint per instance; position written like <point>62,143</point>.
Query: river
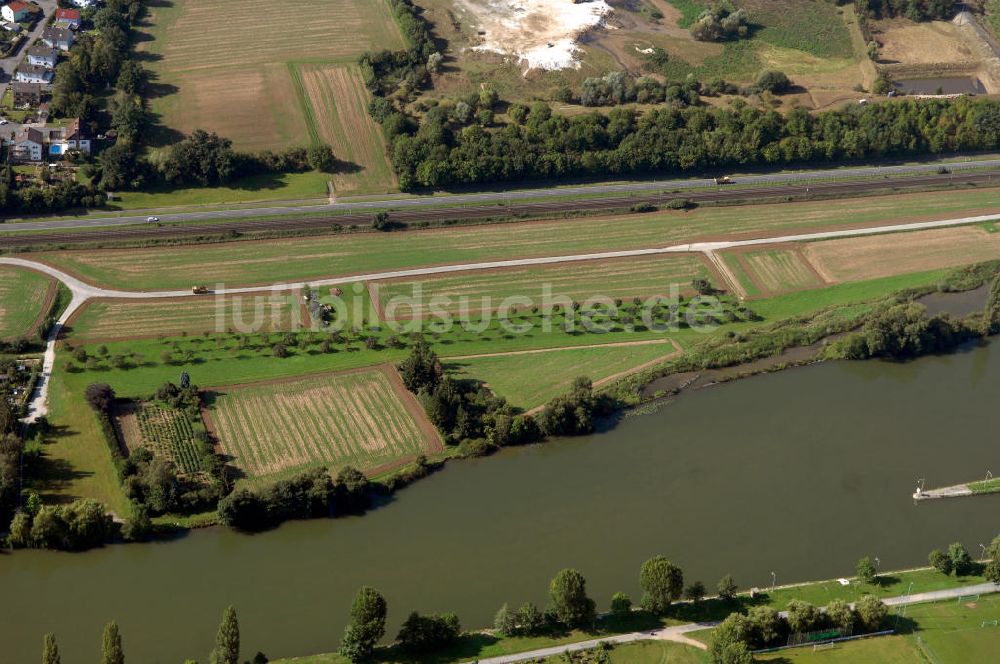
<point>798,472</point>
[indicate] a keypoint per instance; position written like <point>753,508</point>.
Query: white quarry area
<point>542,34</point>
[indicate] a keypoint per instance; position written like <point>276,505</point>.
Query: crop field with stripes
<point>773,271</point>
<point>335,104</point>
<point>486,290</point>
<point>124,319</point>
<point>166,432</point>
<point>225,67</point>
<point>365,419</point>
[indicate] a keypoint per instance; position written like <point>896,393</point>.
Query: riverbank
<point>895,588</point>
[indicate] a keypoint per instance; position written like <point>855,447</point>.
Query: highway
<point>20,235</point>
<point>493,199</point>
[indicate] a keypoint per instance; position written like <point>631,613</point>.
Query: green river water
<point>800,473</point>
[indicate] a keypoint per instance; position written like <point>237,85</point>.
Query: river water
<point>799,472</point>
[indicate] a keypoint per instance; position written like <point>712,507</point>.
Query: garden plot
<point>166,432</point>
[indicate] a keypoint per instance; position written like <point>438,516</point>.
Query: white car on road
<point>152,220</point>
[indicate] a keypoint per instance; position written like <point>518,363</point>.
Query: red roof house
<point>70,17</point>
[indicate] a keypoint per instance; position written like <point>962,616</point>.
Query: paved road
<point>504,197</point>
<point>672,633</point>
<point>82,291</point>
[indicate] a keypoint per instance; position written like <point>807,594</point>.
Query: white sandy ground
<point>542,34</point>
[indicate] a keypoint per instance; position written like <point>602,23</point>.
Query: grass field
<point>257,188</point>
<point>124,319</point>
<point>854,259</point>
<point>615,279</point>
<point>335,105</point>
<point>24,295</point>
<point>534,379</point>
<point>267,261</point>
<point>232,70</point>
<point>363,419</point>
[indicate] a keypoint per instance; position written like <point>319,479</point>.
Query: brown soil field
<point>856,259</point>
<point>126,423</point>
<point>227,68</point>
<point>777,271</point>
<point>338,101</point>
<point>932,42</point>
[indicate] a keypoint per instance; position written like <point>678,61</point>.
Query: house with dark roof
<point>28,145</point>
<point>43,56</point>
<point>34,143</point>
<point>26,94</point>
<point>68,18</point>
<point>61,38</point>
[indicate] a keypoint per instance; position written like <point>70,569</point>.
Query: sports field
<point>853,259</point>
<point>365,419</point>
<point>228,68</point>
<point>487,290</point>
<point>266,261</point>
<point>335,104</point>
<point>138,319</point>
<point>25,296</point>
<point>529,380</point>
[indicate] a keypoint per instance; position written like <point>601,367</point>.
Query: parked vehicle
<point>725,179</point>
<point>199,290</point>
<point>152,220</point>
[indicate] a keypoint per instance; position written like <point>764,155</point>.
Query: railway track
<point>325,223</point>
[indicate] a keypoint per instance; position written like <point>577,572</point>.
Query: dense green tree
<point>572,606</point>
<point>961,561</point>
<point>505,621</point>
<point>871,612</point>
<point>763,624</point>
<point>530,620</point>
<point>621,604</point>
<point>727,588</point>
<point>866,570</point>
<point>803,616</point>
<point>840,614</point>
<point>728,644</point>
<point>662,583</point>
<point>940,561</point>
<point>424,634</point>
<point>50,651</point>
<point>227,639</point>
<point>321,157</point>
<point>112,652</point>
<point>421,370</point>
<point>351,493</point>
<point>367,625</point>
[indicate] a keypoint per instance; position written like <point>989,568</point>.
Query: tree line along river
<point>799,473</point>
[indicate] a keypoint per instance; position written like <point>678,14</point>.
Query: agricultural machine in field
<point>725,179</point>
<point>199,290</point>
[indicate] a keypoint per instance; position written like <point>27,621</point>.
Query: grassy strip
<point>985,486</point>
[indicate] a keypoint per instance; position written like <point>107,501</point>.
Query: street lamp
<point>774,580</point>
<point>878,566</point>
<point>983,547</point>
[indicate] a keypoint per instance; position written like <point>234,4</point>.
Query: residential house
<point>61,38</point>
<point>10,27</point>
<point>61,140</point>
<point>27,145</point>
<point>16,11</point>
<point>26,94</point>
<point>33,74</point>
<point>43,56</point>
<point>68,18</point>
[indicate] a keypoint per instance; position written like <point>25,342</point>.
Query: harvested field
<point>857,259</point>
<point>487,290</point>
<point>365,419</point>
<point>226,69</point>
<point>776,271</point>
<point>25,297</point>
<point>125,319</point>
<point>335,102</point>
<point>166,432</point>
<point>930,42</point>
<point>266,261</point>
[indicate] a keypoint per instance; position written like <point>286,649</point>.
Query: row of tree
<point>678,140</point>
<point>915,10</point>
